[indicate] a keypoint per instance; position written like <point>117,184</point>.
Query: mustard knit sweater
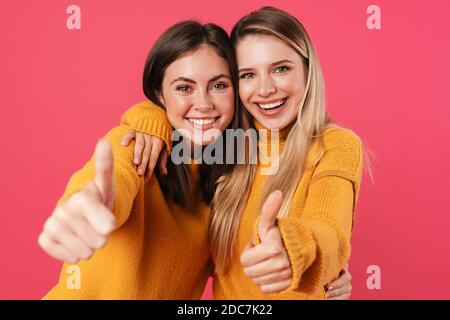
<point>159,250</point>
<point>317,230</point>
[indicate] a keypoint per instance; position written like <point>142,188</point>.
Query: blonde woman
<point>305,225</point>
<point>286,235</point>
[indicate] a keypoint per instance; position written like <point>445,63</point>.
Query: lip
<point>270,101</point>
<point>274,111</point>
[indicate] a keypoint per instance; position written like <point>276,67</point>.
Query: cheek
<point>173,118</point>
<point>176,108</point>
<point>245,91</point>
<point>287,84</point>
<point>224,103</point>
<point>296,92</point>
<point>292,87</point>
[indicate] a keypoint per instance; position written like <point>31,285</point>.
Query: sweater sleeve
<point>151,119</point>
<point>126,180</point>
<point>318,240</point>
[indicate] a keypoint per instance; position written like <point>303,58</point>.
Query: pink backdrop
<point>62,89</point>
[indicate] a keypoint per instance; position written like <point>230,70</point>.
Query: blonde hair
<point>233,188</point>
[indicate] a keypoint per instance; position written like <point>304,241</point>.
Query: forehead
<point>203,62</point>
<point>253,50</point>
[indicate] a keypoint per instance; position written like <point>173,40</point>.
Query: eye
<point>219,86</point>
<point>282,69</point>
<point>184,88</point>
<point>247,75</point>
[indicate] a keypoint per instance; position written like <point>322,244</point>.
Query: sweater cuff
<point>150,119</point>
<point>300,247</point>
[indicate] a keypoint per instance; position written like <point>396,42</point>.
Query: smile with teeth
<point>270,106</point>
<point>201,122</point>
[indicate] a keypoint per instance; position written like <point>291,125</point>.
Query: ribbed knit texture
<point>147,117</point>
<point>316,233</point>
<point>158,250</point>
<point>317,230</point>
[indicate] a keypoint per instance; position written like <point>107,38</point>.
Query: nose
<point>266,86</point>
<point>203,102</point>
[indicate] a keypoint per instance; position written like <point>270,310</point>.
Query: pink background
<point>62,89</point>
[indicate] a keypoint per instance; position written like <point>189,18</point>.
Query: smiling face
<point>272,80</point>
<point>197,92</point>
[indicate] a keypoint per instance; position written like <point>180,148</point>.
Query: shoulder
<point>342,153</point>
<point>342,139</point>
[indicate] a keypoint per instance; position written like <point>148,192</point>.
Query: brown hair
<point>183,37</point>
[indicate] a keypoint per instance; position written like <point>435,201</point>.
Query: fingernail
<point>330,288</point>
<point>101,243</point>
<point>108,228</point>
<point>140,172</point>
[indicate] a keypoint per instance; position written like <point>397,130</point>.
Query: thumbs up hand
<point>267,263</point>
<point>80,225</point>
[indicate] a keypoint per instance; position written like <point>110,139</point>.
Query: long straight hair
<point>181,38</point>
<point>312,119</point>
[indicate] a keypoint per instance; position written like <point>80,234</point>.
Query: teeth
<point>202,121</point>
<point>270,105</point>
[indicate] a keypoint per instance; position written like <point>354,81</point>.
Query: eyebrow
<point>218,77</point>
<point>182,79</point>
<point>192,81</point>
<point>272,65</point>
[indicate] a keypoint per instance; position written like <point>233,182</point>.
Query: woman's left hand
<point>267,263</point>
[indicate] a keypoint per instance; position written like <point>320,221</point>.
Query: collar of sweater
<point>271,137</point>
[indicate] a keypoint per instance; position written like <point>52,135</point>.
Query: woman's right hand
<point>147,150</point>
<point>340,288</point>
<point>81,224</point>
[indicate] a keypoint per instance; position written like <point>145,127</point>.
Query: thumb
<point>269,213</point>
<point>104,168</point>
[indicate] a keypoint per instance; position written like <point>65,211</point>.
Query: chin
<point>271,124</point>
<point>205,139</point>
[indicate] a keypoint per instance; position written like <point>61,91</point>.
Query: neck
<point>271,144</point>
<point>271,136</point>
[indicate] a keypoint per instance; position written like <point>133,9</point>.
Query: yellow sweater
<point>317,230</point>
<point>159,250</point>
<point>316,233</point>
